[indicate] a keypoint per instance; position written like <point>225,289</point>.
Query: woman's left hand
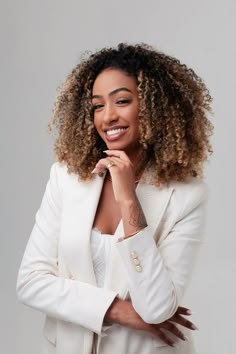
<point>122,174</point>
<point>123,313</point>
<point>179,319</point>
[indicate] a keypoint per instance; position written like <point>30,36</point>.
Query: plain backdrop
<point>40,42</point>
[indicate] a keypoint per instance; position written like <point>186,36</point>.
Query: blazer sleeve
<point>158,276</point>
<point>39,284</point>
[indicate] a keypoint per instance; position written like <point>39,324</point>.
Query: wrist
<point>133,217</point>
<point>128,202</point>
<point>122,238</point>
<point>112,314</point>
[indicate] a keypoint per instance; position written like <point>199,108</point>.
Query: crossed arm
<point>134,221</point>
<point>40,286</point>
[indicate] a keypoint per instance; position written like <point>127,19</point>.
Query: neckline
<point>95,229</point>
<point>119,228</point>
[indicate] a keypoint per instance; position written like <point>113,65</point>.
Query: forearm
<point>158,275</point>
<point>112,314</point>
<point>151,288</point>
<point>62,298</point>
<point>123,313</point>
<point>132,216</point>
<point>152,283</point>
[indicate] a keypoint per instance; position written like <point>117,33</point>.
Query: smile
<point>115,131</point>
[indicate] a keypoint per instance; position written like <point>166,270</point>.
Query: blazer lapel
<point>154,202</point>
<point>76,228</point>
<point>77,224</point>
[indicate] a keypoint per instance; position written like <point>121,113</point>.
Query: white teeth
<point>115,131</point>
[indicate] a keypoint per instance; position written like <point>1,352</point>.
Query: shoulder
<point>59,171</point>
<point>60,178</point>
<point>189,195</point>
<point>193,187</point>
<point>67,183</point>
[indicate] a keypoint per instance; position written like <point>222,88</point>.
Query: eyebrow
<point>114,92</point>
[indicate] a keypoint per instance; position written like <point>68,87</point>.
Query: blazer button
<point>138,268</point>
<point>136,261</point>
<point>134,254</point>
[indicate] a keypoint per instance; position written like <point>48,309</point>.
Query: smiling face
<point>116,108</point>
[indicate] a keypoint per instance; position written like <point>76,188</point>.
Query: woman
<point>121,221</point>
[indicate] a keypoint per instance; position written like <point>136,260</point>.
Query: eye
<point>123,101</point>
<point>97,106</point>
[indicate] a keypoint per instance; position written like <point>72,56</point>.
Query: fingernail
<point>194,327</point>
<point>94,170</point>
<point>106,151</point>
<point>185,337</point>
<point>189,312</point>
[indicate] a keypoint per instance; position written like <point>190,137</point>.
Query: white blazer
<point>56,274</point>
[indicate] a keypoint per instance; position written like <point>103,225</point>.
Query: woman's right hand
<point>123,313</point>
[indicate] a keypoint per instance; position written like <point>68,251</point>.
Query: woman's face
<point>116,108</point>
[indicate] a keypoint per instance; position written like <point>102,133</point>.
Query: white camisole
<point>100,249</point>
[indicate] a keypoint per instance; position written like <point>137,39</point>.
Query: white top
<point>100,249</point>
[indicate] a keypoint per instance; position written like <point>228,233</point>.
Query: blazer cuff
<point>133,249</point>
<point>102,308</point>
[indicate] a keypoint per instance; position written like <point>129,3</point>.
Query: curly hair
<point>173,107</point>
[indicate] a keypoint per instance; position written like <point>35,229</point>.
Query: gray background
<point>40,42</point>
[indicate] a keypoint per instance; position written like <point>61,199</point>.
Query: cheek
<point>134,117</point>
<point>130,114</point>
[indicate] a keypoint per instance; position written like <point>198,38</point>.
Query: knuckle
<point>163,337</point>
<point>179,333</point>
<point>171,326</point>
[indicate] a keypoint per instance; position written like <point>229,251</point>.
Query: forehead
<point>111,79</point>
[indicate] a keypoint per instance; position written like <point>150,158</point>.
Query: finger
<point>101,165</point>
<point>183,322</point>
<point>117,153</point>
<point>118,161</point>
<point>163,336</point>
<point>113,160</point>
<point>110,163</point>
<point>173,329</point>
<point>157,332</point>
<point>105,161</point>
<point>183,311</point>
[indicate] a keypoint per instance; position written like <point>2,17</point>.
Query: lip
<point>115,127</point>
<point>116,136</point>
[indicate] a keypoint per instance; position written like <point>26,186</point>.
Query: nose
<point>110,114</point>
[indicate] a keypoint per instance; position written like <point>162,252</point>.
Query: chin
<point>116,146</point>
